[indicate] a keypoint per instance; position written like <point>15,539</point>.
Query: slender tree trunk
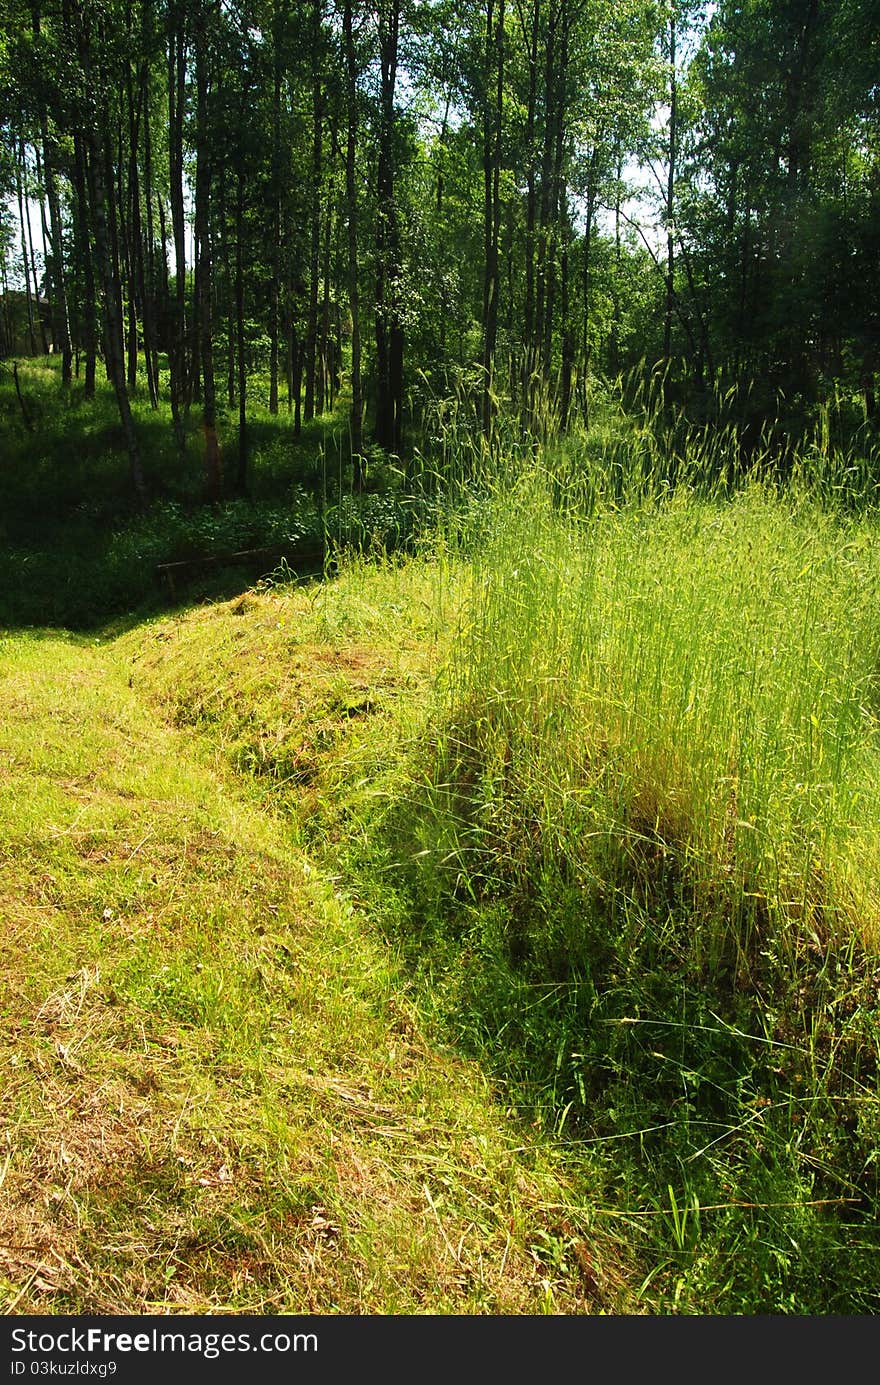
<point>492,173</point>
<point>296,371</point>
<point>61,314</point>
<point>204,264</point>
<point>586,293</point>
<point>85,259</point>
<point>670,196</point>
<point>442,143</point>
<point>288,363</point>
<point>615,291</point>
<point>113,352</point>
<point>26,418</point>
<point>27,208</point>
<point>389,328</point>
<point>136,238</point>
<point>169,329</point>
<point>7,345</point>
<point>531,209</point>
<point>279,29</point>
<point>129,271</point>
<point>567,334</point>
<point>149,258</point>
<point>113,197</point>
<point>178,333</point>
<point>24,256</point>
<point>311,345</point>
<point>357,403</point>
<point>545,206</point>
<point>242,478</point>
<point>325,385</point>
<point>558,228</point>
<point>227,278</point>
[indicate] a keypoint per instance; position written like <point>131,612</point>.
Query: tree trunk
<point>81,222</point>
<point>567,335</point>
<point>242,478</point>
<point>296,371</point>
<point>40,321</point>
<point>586,289</point>
<point>615,281</point>
<point>494,110</point>
<point>670,196</point>
<point>136,239</point>
<point>227,278</point>
<point>279,26</point>
<point>24,254</point>
<point>545,207</point>
<point>204,264</point>
<point>357,404</point>
<point>558,228</point>
<point>531,209</point>
<point>311,344</point>
<point>148,261</point>
<point>178,332</point>
<point>325,384</point>
<point>113,352</point>
<point>389,329</point>
<point>108,183</point>
<point>61,315</point>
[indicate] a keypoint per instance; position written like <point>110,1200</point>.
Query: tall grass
<point>643,839</point>
<point>700,671</point>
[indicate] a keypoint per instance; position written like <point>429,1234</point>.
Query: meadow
<point>487,925</point>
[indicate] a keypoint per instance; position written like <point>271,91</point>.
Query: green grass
<point>490,930</point>
<point>219,1094</point>
<point>488,761</point>
<point>640,848</point>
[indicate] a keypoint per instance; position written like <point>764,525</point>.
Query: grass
<point>492,930</point>
<point>640,848</point>
<point>220,1097</point>
<point>703,1063</point>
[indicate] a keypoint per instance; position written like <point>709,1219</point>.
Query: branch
<point>660,270</point>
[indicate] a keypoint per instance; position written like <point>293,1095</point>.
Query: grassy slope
<point>623,854</point>
<point>545,832</point>
<point>218,1094</point>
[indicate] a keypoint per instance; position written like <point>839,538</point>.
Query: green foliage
<point>76,551</point>
<point>635,865</point>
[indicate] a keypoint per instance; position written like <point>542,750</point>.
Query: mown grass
<point>219,1095</point>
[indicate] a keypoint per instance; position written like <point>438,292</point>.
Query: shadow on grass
<point>77,551</point>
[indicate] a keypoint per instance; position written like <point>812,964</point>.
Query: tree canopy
<point>406,197</point>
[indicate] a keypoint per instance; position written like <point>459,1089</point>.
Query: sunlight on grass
<point>491,929</point>
<point>219,1096</point>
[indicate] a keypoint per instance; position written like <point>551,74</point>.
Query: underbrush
<point>77,551</point>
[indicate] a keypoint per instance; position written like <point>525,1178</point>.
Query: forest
<point>440,750</point>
